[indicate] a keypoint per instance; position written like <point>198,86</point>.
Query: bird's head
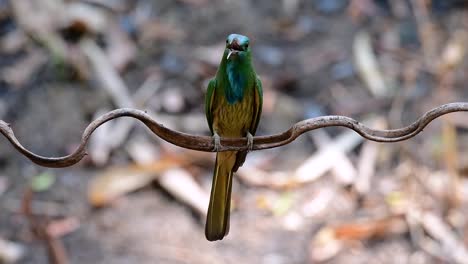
<point>237,46</point>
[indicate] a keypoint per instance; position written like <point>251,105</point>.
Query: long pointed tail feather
<point>217,220</point>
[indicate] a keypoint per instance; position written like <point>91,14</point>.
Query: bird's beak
<point>233,48</point>
<point>231,52</point>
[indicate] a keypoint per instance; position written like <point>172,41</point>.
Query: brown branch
<point>205,143</point>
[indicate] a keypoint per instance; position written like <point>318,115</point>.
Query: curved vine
<point>205,143</point>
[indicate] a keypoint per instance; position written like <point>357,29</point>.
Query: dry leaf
<point>325,159</point>
<point>368,66</point>
<point>117,181</point>
<point>324,245</point>
<point>181,184</point>
<point>343,170</point>
<point>367,229</point>
<point>330,240</point>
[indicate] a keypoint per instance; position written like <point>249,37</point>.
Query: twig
<point>55,249</point>
<point>205,143</point>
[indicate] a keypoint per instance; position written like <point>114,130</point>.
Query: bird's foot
<point>217,142</point>
<point>250,142</point>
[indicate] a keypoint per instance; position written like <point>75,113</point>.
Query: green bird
<point>233,105</point>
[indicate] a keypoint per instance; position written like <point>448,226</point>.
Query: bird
<point>233,105</point>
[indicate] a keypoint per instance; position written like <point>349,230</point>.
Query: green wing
<point>209,98</point>
<point>258,104</point>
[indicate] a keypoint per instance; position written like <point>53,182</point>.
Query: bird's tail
<point>217,220</point>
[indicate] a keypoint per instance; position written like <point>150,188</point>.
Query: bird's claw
<point>250,141</point>
<point>217,142</point>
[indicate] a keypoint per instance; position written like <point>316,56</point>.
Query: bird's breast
<point>233,119</point>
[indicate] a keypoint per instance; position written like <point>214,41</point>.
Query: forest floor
<point>330,196</point>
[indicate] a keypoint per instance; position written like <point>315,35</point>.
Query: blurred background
<point>328,197</point>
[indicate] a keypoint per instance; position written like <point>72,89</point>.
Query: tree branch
<point>205,143</point>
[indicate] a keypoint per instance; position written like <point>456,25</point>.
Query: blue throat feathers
<point>237,81</point>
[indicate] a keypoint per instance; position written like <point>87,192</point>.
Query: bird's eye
<point>246,46</point>
<point>227,41</point>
